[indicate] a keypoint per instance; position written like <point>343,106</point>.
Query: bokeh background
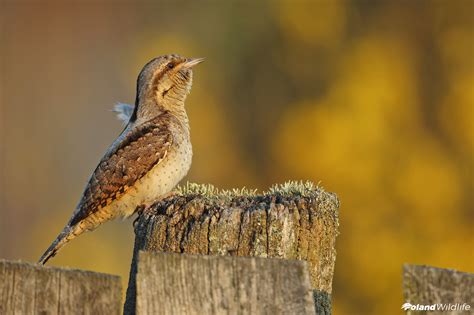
<point>372,98</point>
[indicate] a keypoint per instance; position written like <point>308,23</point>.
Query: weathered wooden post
<point>428,286</point>
<point>30,289</point>
<point>291,221</point>
<point>169,283</point>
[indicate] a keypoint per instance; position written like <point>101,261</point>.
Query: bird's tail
<point>64,237</point>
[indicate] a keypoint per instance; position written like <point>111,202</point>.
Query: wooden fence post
<point>199,284</point>
<point>30,289</point>
<point>291,221</point>
<point>425,285</point>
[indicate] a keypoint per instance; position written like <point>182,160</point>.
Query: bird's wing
<point>131,156</point>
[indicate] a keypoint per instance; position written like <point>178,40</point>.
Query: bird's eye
<point>170,65</point>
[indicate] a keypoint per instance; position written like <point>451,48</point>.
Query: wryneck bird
<point>151,155</point>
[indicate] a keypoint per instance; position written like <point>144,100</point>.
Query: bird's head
<point>164,82</point>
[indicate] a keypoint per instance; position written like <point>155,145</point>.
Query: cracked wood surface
<point>31,289</point>
<point>429,285</point>
<point>170,283</point>
<point>287,226</point>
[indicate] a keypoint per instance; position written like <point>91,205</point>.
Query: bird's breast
<point>159,181</point>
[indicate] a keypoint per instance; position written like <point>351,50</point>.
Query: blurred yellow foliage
<point>313,23</point>
<point>402,189</point>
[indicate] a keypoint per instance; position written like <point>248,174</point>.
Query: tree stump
<point>291,221</point>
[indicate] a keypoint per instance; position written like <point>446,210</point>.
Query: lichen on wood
<point>294,221</point>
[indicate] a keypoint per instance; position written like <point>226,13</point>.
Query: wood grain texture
<point>31,289</point>
<point>273,225</point>
<point>429,285</point>
<point>198,284</point>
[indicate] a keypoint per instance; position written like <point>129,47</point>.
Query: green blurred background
<point>372,98</point>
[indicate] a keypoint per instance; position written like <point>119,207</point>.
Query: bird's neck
<point>180,113</point>
<point>149,109</point>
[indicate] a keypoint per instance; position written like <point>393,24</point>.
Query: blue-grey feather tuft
<point>124,112</point>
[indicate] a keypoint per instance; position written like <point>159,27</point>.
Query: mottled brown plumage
<point>150,156</point>
<point>128,160</point>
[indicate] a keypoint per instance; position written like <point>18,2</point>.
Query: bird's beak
<point>191,62</point>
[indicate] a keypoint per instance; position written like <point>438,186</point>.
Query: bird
<point>150,156</point>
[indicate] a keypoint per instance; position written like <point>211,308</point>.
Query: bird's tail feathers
<point>64,237</point>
